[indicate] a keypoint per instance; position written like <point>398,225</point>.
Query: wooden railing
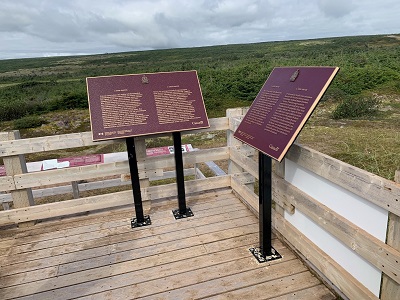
<point>20,184</point>
<point>374,192</point>
<point>291,200</point>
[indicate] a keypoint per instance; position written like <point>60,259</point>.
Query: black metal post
<point>264,202</point>
<point>266,252</point>
<point>182,211</point>
<point>140,219</point>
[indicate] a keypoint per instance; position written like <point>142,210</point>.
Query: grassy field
<point>357,121</point>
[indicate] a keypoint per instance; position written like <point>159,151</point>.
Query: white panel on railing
<point>362,213</point>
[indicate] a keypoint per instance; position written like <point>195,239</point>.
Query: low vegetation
<point>357,120</point>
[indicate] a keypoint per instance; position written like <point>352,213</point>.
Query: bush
<point>353,81</point>
<point>68,101</point>
<point>28,122</point>
<point>356,107</point>
<point>12,110</point>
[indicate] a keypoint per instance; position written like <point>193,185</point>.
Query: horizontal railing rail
<point>19,186</point>
<point>290,199</point>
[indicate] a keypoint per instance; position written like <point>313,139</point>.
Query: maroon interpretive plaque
<point>140,104</point>
<point>282,107</point>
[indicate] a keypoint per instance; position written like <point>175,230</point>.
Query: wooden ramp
<point>99,256</point>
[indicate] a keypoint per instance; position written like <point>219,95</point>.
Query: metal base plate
<point>262,258</point>
<point>135,223</point>
<point>178,215</point>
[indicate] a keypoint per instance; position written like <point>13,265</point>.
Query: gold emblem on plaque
<point>145,79</point>
<point>294,75</point>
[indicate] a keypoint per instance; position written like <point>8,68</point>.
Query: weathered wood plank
<point>230,212</point>
<point>246,163</point>
<point>97,254</point>
<point>148,167</point>
<point>93,275</point>
<point>59,176</point>
<point>245,194</point>
<point>104,201</point>
<point>221,204</point>
<point>390,289</point>
<point>6,183</point>
<point>247,274</point>
<point>380,191</point>
<point>235,115</point>
<point>278,287</point>
<point>90,186</point>
<point>372,249</point>
<point>80,235</point>
<point>128,273</point>
<point>160,258</point>
<point>16,164</point>
<point>318,292</point>
<point>74,140</point>
<point>41,249</point>
<point>251,166</point>
<point>103,217</point>
<point>186,258</point>
<point>214,264</point>
<point>278,197</point>
<point>332,270</point>
<point>49,143</point>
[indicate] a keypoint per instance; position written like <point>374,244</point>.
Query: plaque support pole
<point>182,211</point>
<point>265,252</point>
<point>141,219</point>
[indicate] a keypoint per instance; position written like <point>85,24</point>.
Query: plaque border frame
<point>305,118</point>
<point>151,133</point>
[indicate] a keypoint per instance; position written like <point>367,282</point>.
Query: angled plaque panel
<point>142,104</point>
<point>282,107</point>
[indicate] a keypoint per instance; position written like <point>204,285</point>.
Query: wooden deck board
<point>100,257</point>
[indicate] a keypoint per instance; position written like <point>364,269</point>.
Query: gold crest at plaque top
<point>145,79</point>
<point>295,75</point>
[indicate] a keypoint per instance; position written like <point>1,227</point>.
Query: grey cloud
<point>43,27</point>
<point>15,17</point>
<point>336,8</point>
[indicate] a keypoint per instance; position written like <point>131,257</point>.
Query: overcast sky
<point>35,28</point>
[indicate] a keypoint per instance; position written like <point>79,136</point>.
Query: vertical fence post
<point>140,146</point>
<point>234,168</point>
<point>390,289</point>
<point>75,189</point>
<point>279,170</point>
<point>15,165</point>
<point>231,141</point>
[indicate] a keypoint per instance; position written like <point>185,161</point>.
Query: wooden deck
<point>98,256</point>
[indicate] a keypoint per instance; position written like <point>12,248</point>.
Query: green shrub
<point>12,110</point>
<point>28,122</point>
<point>354,81</point>
<point>68,101</point>
<point>356,107</point>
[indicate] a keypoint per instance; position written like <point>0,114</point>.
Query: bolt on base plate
<point>178,215</point>
<point>262,257</point>
<point>135,223</point>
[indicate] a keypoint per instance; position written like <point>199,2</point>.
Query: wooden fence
<point>291,199</point>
